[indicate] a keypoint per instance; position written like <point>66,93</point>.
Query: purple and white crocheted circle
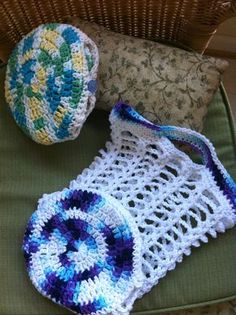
<point>82,250</point>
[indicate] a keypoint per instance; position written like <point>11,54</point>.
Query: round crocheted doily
<point>51,81</point>
<point>83,251</point>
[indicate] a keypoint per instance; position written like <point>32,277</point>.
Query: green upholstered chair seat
<point>27,170</point>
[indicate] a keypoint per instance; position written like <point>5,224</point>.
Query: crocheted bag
<point>50,82</point>
<point>173,203</point>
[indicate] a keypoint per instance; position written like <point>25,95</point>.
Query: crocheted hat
<point>175,202</point>
<point>83,250</point>
<point>51,82</point>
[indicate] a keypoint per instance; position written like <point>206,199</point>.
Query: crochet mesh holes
<point>146,159</point>
<point>164,224</point>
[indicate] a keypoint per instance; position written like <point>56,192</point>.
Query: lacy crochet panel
<point>175,202</point>
<point>82,251</point>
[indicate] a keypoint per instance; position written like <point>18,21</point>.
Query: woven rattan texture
<point>190,22</point>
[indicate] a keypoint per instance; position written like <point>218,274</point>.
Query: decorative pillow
<point>167,85</point>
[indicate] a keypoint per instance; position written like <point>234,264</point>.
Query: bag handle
<point>195,140</point>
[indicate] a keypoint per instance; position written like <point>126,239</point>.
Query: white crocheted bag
<point>175,202</point>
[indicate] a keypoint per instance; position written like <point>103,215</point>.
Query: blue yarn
<point>70,36</point>
<point>28,43</point>
<point>27,71</point>
<point>62,131</point>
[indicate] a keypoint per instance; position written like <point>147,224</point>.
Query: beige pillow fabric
<point>167,85</point>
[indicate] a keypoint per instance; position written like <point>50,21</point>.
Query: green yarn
<point>65,52</point>
<point>58,66</point>
<point>12,63</point>
<point>44,58</point>
<point>90,61</point>
<point>39,123</point>
<point>51,26</point>
<point>77,90</point>
<point>30,93</point>
<point>20,89</point>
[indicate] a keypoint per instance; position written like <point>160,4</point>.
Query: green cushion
<point>28,170</point>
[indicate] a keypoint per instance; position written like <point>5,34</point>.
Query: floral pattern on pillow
<point>167,85</point>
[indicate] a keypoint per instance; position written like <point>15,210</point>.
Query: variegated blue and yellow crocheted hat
<point>51,82</point>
